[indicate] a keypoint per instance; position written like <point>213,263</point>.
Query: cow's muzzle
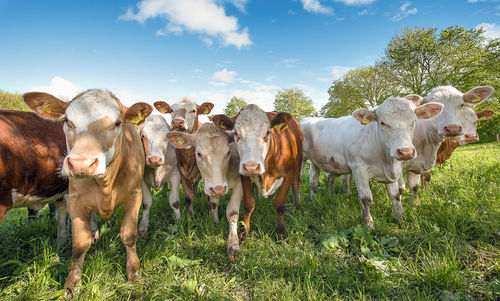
<point>81,166</point>
<point>217,190</point>
<point>452,130</point>
<point>405,153</point>
<point>251,169</point>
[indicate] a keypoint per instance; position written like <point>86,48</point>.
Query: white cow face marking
<point>154,139</point>
<point>448,122</point>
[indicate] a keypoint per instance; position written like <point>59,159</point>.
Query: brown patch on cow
<point>162,107</point>
<point>213,206</point>
<point>414,189</point>
<point>205,108</point>
<point>280,210</point>
<point>445,150</point>
<point>137,113</point>
<point>176,205</point>
<point>46,105</point>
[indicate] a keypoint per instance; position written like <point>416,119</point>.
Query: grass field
<point>448,248</point>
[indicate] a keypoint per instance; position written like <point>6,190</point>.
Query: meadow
<point>447,248</point>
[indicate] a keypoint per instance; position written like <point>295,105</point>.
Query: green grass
<point>448,248</point>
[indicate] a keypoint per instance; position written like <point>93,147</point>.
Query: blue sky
<point>211,50</point>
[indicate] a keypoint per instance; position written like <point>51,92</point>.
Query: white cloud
<point>363,12</point>
<point>491,30</point>
<point>59,87</point>
<point>239,4</point>
<point>197,70</point>
<point>404,12</point>
<point>338,71</point>
<point>224,76</point>
<point>290,62</point>
<point>219,84</point>
<point>206,17</point>
<point>172,80</point>
<point>314,6</point>
<point>356,2</point>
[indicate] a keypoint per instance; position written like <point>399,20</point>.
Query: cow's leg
<point>128,233</point>
<point>401,183</point>
<point>314,172</point>
<point>346,183</point>
<point>62,221</point>
<point>425,179</point>
<point>413,180</point>
<point>147,201</point>
<point>173,198</point>
<point>94,227</point>
<point>32,213</point>
<point>248,204</point>
<point>189,191</point>
<point>395,196</point>
<point>214,207</point>
<point>52,209</point>
<point>5,202</point>
<point>279,205</point>
<point>331,183</point>
<point>232,214</point>
<point>296,189</point>
<point>365,195</point>
<point>82,239</point>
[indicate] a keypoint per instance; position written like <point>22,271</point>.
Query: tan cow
<point>105,165</point>
<point>185,119</point>
<point>218,161</point>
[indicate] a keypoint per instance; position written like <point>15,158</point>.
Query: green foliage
<point>295,102</point>
<point>446,248</point>
<point>234,106</point>
<point>11,101</point>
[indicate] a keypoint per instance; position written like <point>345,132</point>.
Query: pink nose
<point>155,161</point>
<point>218,190</point>
<point>178,123</point>
<point>471,137</point>
<point>405,153</point>
<point>251,168</point>
<point>81,165</point>
<point>452,130</point>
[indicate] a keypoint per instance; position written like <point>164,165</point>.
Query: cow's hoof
<point>96,236</point>
<point>143,233</point>
<point>370,225</point>
<point>232,251</point>
<point>68,294</point>
<point>280,231</point>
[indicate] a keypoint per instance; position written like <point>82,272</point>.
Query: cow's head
<point>184,113</point>
<point>469,119</point>
<point>448,123</point>
<point>213,151</point>
<point>252,128</point>
<point>93,121</point>
<point>154,139</point>
<point>394,121</point>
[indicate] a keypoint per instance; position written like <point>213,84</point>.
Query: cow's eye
<point>117,124</point>
<point>193,111</point>
<point>199,156</point>
<point>384,124</point>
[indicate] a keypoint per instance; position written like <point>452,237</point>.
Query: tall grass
<point>448,248</point>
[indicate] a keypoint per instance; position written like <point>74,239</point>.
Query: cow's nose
<point>405,153</point>
<point>251,168</point>
<point>471,137</point>
<point>81,165</point>
<point>452,130</point>
<point>178,123</point>
<point>155,160</point>
<point>218,190</point>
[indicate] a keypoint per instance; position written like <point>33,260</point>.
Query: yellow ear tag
<point>278,126</point>
<point>365,121</point>
<point>205,112</point>
<point>181,141</point>
<point>476,99</point>
<point>483,118</point>
<point>427,115</point>
<point>222,125</point>
<point>135,120</point>
<point>46,109</point>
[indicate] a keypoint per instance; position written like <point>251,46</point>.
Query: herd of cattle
<point>93,154</point>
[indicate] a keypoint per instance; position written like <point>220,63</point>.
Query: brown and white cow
<point>270,149</point>
<point>32,150</point>
<point>161,167</point>
<point>218,161</point>
<point>104,163</point>
<point>430,133</point>
<point>185,119</point>
<point>469,119</point>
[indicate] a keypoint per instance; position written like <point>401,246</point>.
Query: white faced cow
<point>104,163</point>
<point>185,119</point>
<point>430,133</point>
<point>218,161</point>
<point>161,167</point>
<point>368,144</point>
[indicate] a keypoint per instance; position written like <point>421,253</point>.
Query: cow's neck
<point>391,166</point>
<point>426,141</point>
<point>268,182</point>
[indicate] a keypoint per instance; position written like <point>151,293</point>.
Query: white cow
<point>218,161</point>
<point>368,144</point>
<point>430,133</point>
<point>161,167</point>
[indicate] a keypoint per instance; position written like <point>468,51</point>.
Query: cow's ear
<point>223,122</point>
<point>428,110</point>
<point>46,105</point>
<point>477,95</point>
<point>364,116</point>
<point>137,113</point>
<point>205,108</point>
<point>486,114</point>
<point>280,121</point>
<point>163,107</point>
<point>181,140</point>
<point>415,99</point>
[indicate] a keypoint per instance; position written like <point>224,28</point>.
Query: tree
<point>234,106</point>
<point>360,88</point>
<point>295,102</point>
<point>11,101</point>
